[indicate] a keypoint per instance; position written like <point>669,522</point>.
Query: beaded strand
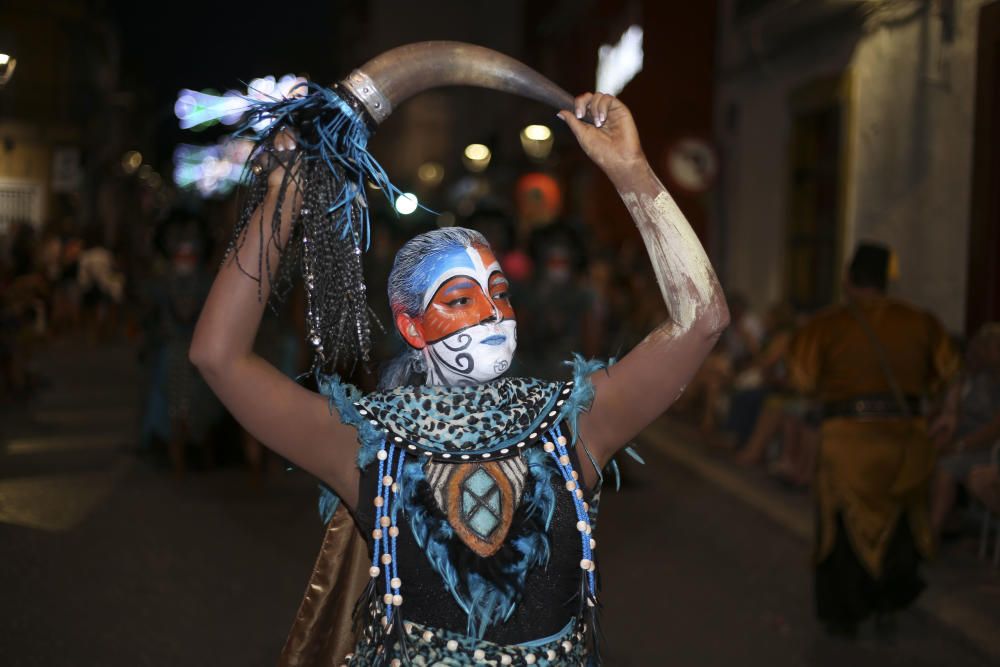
<point>556,447</point>
<point>386,530</point>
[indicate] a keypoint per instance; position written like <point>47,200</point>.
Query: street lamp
<point>7,64</point>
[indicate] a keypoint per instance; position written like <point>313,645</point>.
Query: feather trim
<point>487,590</point>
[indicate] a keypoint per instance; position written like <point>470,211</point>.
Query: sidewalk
<point>963,592</point>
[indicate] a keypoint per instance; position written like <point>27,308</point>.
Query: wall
<point>913,145</point>
<point>908,145</point>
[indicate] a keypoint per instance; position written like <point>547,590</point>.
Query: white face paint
<point>480,340</point>
<point>472,356</point>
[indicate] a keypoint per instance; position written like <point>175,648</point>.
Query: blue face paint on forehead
<point>432,266</point>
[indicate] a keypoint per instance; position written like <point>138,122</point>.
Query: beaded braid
<point>325,247</point>
<point>331,229</point>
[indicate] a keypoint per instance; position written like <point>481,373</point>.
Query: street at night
<point>322,324</point>
<point>114,562</point>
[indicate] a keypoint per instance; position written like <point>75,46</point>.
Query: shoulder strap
<point>880,354</point>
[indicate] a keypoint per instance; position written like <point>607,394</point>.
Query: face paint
<point>468,323</point>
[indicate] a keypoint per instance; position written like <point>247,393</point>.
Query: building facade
<point>843,121</point>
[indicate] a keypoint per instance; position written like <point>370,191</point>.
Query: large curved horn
<point>396,75</point>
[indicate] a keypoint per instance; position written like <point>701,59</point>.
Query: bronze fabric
<point>873,472</point>
<point>322,633</point>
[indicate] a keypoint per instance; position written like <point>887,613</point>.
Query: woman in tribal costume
<point>476,494</point>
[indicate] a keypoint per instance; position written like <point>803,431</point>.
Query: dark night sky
<point>207,44</point>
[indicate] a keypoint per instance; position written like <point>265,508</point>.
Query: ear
<point>410,330</point>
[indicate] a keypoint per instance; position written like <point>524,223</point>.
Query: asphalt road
<point>108,561</point>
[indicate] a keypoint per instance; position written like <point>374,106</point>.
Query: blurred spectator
<point>870,361</point>
<point>984,483</point>
<point>101,286</point>
<point>556,310</point>
<point>742,341</point>
<point>23,291</point>
<point>763,378</point>
<point>969,425</point>
<point>707,394</point>
<point>180,410</point>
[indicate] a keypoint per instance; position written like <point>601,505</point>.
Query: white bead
<point>382,455</point>
<point>379,501</point>
<point>385,521</point>
<point>374,571</point>
<point>397,600</point>
<point>579,494</point>
<point>586,507</point>
<point>395,487</point>
<point>575,474</point>
<point>581,526</point>
<point>593,566</point>
<point>386,559</point>
<point>549,447</point>
<point>530,658</point>
<point>567,646</point>
<point>377,533</point>
<point>589,529</point>
<point>408,627</point>
<point>393,531</point>
<point>387,598</point>
<point>452,645</point>
<point>428,635</point>
<point>593,543</point>
<point>505,660</point>
<point>590,603</point>
<point>562,440</point>
<point>479,655</point>
<point>564,460</point>
<point>387,480</point>
<point>396,582</point>
<point>571,486</point>
<point>550,654</point>
<point>395,663</point>
<point>465,457</point>
<point>585,564</point>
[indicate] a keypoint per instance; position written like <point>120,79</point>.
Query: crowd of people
<point>569,299</point>
<point>63,281</point>
<point>51,283</point>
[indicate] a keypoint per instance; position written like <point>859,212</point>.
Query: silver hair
<point>412,263</point>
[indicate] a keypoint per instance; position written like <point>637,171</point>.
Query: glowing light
<point>211,170</point>
<point>477,152</point>
<point>196,109</point>
<point>536,140</point>
<point>131,161</point>
<point>476,157</point>
<point>618,64</point>
<point>537,132</point>
<point>430,173</point>
<point>406,203</point>
<point>7,65</point>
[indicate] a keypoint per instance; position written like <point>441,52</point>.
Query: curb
<point>948,609</point>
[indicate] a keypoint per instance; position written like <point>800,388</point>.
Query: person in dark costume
<point>870,362</point>
<point>475,494</point>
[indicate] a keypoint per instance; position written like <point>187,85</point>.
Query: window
<point>19,201</point>
<point>814,227</point>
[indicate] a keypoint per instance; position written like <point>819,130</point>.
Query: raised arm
<point>647,380</point>
<point>293,421</point>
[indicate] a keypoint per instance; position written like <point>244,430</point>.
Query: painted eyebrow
<point>462,285</point>
<point>498,278</point>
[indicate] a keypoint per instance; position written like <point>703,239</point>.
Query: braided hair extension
<point>329,231</point>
